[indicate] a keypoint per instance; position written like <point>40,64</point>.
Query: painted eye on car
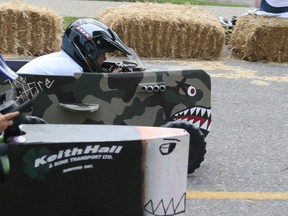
<point>190,90</point>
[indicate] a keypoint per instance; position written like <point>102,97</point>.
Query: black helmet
<point>85,39</point>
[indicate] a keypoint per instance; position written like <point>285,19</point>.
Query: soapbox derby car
<point>144,95</point>
<point>76,169</point>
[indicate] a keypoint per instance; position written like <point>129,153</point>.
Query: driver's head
<point>87,41</point>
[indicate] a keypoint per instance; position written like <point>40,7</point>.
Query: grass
<point>69,19</point>
<point>193,2</point>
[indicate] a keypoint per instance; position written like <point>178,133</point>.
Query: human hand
<point>114,69</point>
<point>6,120</point>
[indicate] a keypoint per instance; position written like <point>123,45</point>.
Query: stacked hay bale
<point>28,30</point>
<point>257,38</point>
<point>167,30</point>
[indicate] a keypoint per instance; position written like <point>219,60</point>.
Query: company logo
<point>88,153</point>
<point>29,159</point>
<point>39,161</point>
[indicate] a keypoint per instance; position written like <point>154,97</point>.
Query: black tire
<point>197,144</point>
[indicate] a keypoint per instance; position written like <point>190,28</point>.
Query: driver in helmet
<point>84,46</point>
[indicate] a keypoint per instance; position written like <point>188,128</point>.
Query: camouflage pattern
<point>149,98</point>
<point>154,97</point>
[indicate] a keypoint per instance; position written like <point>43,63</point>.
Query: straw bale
<point>167,30</point>
<point>28,30</point>
<point>257,38</point>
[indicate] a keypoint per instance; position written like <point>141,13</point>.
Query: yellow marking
<point>259,82</point>
<point>237,195</point>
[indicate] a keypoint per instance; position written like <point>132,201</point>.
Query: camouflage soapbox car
<point>144,95</point>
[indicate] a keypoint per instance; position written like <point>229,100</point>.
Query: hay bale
<point>257,38</point>
<point>167,30</point>
<point>28,30</point>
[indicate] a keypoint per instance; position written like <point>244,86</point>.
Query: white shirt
<point>58,63</point>
<point>278,3</point>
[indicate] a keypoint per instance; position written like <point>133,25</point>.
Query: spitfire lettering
<point>67,153</point>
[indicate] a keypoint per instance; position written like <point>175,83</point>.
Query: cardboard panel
<point>75,170</point>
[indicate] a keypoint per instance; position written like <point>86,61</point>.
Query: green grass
<point>69,19</point>
<point>194,2</point>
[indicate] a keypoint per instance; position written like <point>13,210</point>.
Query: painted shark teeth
<point>198,116</point>
<point>171,207</point>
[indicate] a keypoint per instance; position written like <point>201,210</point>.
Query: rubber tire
<point>197,144</point>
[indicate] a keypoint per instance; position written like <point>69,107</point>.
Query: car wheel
<point>197,144</point>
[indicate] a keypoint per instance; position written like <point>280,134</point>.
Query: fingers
<point>4,124</point>
<point>6,120</point>
<point>117,70</point>
<point>114,69</point>
<point>10,116</point>
<point>9,123</point>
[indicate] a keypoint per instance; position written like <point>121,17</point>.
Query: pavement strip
<point>237,195</point>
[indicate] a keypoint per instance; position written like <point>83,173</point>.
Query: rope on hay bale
<point>167,30</point>
<point>257,38</point>
<point>28,30</point>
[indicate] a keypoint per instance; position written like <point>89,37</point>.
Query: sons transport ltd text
<point>90,152</point>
